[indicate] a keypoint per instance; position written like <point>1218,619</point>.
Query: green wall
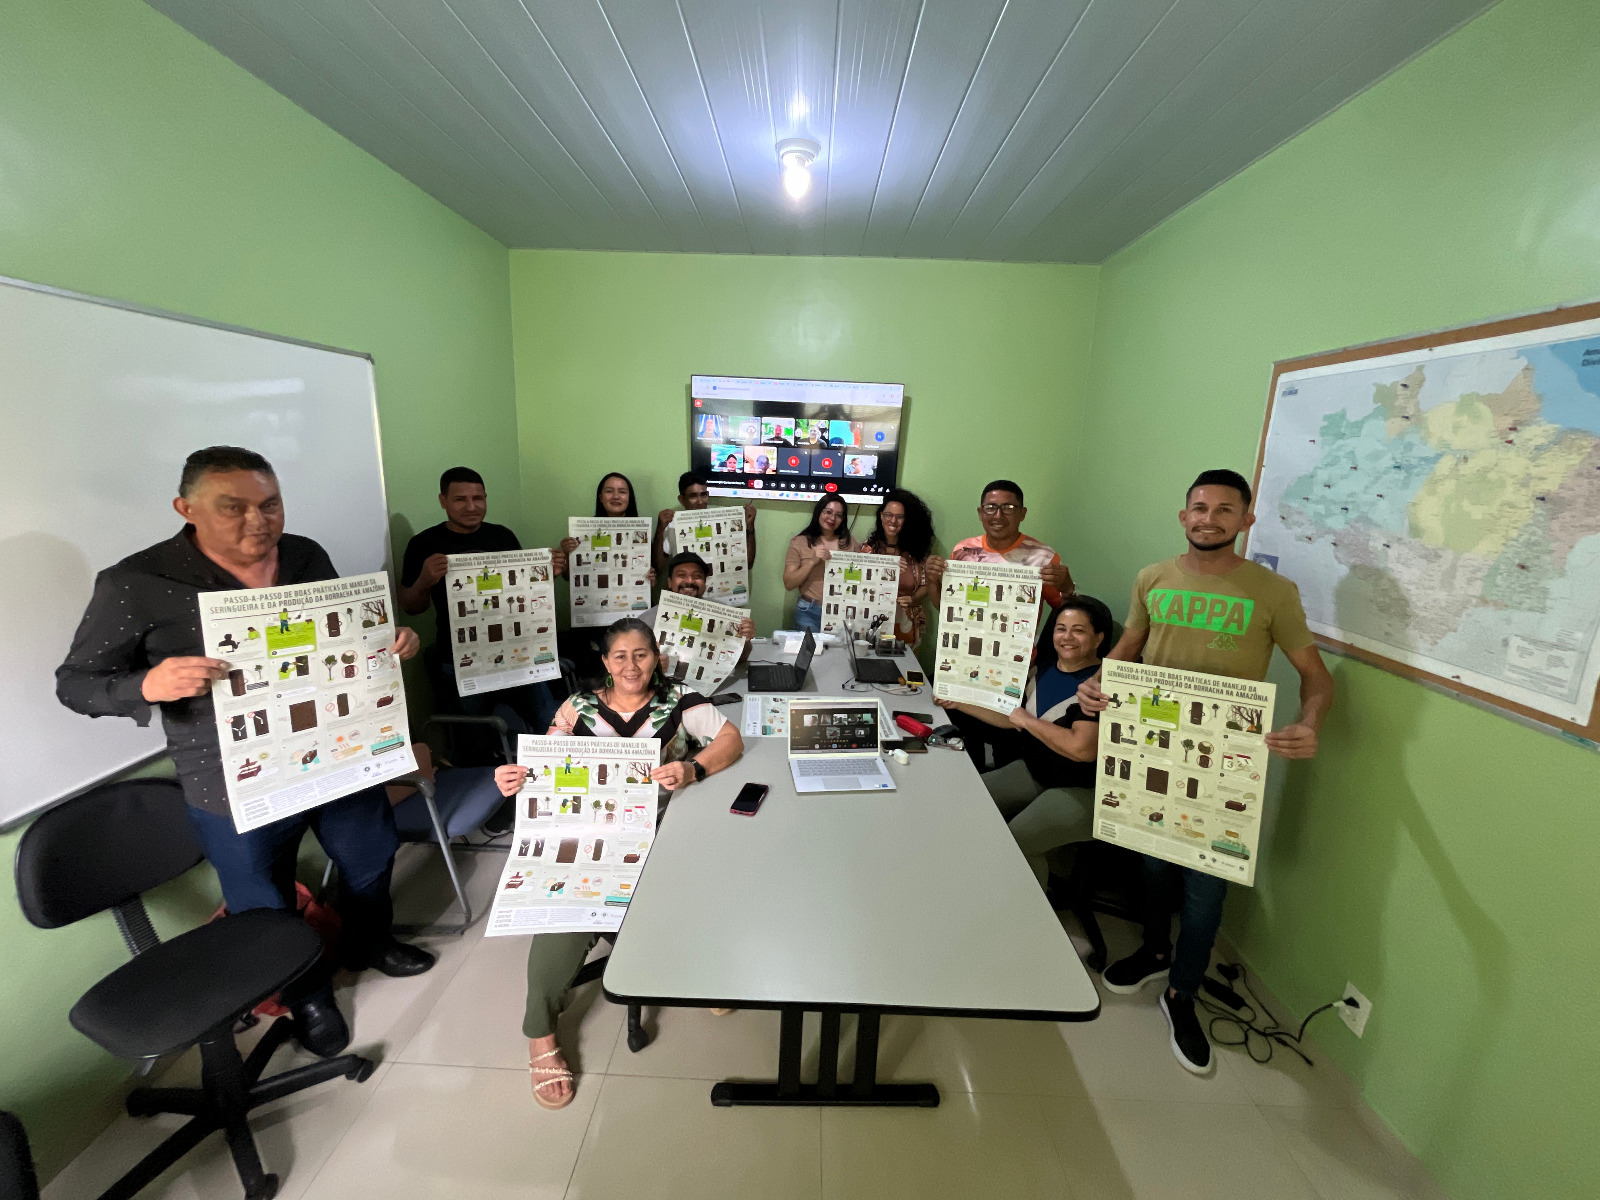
<point>1434,854</point>
<point>1431,854</point>
<point>605,345</point>
<point>136,162</point>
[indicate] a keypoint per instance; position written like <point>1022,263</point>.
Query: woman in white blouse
<point>696,741</point>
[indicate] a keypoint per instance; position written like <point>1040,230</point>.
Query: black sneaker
<point>1128,975</point>
<point>1188,1041</point>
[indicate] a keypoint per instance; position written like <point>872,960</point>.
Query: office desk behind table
<point>912,901</point>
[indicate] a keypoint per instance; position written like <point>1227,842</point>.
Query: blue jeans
<point>256,869</point>
<point>808,614</point>
<point>1199,918</point>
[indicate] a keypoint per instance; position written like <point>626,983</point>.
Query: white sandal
<point>557,1075</point>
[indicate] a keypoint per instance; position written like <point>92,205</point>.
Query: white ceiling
<point>1053,131</point>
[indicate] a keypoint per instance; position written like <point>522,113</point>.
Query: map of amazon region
<point>1441,508</point>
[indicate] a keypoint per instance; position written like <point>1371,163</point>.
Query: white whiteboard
<point>100,403</point>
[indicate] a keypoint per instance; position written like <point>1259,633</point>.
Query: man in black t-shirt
<point>464,531</point>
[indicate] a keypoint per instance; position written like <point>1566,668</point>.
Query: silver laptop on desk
<point>833,746</point>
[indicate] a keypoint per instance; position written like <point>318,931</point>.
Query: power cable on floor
<point>1244,1021</point>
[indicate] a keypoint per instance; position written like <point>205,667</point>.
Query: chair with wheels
<point>103,850</point>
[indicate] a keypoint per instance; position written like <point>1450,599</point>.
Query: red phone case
<point>738,812</point>
<point>912,726</point>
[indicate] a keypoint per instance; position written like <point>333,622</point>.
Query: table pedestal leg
<point>864,1089</point>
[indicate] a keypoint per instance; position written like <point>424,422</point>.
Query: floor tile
<point>477,1021</point>
<point>385,1013</point>
<point>1286,1080</point>
<point>422,888</point>
<point>663,1139</point>
<point>971,1145</point>
<point>975,1055</point>
<point>435,1131</point>
<point>1171,1150</point>
<point>294,1137</point>
<point>693,1043</point>
<point>1124,1054</point>
<point>1345,1159</point>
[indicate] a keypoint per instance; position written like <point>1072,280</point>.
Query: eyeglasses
<point>992,510</point>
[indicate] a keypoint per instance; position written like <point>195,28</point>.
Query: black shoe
<point>399,959</point>
<point>319,1025</point>
<point>502,819</point>
<point>1188,1041</point>
<point>1128,975</point>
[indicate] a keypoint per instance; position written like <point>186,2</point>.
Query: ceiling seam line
<point>894,122</point>
<point>955,119</point>
<point>377,120</point>
<point>1017,120</point>
<point>490,125</point>
<point>1110,83</point>
<point>705,95</point>
<point>1200,62</point>
<point>477,41</point>
<point>654,122</point>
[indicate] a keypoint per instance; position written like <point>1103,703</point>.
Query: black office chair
<point>104,850</point>
<point>1101,878</point>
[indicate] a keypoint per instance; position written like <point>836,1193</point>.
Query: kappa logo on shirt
<point>1226,616</point>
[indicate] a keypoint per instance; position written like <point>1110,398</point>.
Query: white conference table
<point>912,901</point>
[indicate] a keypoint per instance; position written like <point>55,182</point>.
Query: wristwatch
<point>699,769</point>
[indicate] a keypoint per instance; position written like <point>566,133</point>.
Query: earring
<point>609,682</point>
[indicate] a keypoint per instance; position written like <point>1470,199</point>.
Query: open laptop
<point>871,670</point>
<point>833,746</point>
<point>782,677</point>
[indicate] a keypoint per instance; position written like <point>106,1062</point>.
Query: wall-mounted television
<point>795,439</point>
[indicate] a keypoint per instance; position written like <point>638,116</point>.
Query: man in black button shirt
<point>140,644</point>
<point>464,531</point>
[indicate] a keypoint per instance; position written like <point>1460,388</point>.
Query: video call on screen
<point>753,447</point>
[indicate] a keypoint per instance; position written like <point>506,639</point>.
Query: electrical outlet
<point>1355,1017</point>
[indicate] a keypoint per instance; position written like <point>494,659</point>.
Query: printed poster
<point>1183,766</point>
<point>859,592</point>
<point>586,816</point>
<point>768,716</point>
<point>988,620</point>
<point>610,570</point>
<point>718,536</point>
<point>699,641</point>
<point>312,707</point>
<point>502,619</point>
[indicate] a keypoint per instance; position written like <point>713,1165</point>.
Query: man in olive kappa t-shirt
<point>1208,610</point>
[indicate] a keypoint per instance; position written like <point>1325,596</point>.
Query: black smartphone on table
<point>749,799</point>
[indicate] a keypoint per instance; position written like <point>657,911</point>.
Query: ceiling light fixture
<point>796,156</point>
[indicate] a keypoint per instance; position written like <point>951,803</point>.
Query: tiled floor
<point>1097,1110</point>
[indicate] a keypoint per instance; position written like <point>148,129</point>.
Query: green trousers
<point>1039,818</point>
<point>553,959</point>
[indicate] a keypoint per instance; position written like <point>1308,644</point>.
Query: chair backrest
<point>103,849</point>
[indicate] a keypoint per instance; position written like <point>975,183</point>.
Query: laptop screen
<point>833,726</point>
